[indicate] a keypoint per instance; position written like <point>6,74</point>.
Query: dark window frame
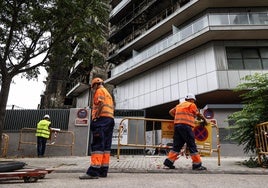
<point>243,59</point>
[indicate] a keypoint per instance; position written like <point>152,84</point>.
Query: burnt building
<point>163,50</point>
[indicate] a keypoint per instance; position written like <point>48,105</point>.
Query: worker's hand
<point>203,123</point>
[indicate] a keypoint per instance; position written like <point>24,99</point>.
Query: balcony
<point>211,26</point>
<point>119,33</point>
<point>78,85</point>
<point>77,89</point>
<point>146,35</point>
<point>119,7</point>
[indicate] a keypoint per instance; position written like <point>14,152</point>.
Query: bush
<point>255,100</point>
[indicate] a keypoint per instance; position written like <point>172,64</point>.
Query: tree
<point>31,32</point>
<point>255,100</point>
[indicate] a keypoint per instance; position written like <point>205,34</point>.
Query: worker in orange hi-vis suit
<point>184,121</point>
<point>102,126</point>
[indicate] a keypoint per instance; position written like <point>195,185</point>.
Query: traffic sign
<point>201,133</point>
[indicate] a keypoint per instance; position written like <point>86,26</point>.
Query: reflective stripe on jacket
<point>43,128</point>
<point>185,113</point>
<point>102,97</point>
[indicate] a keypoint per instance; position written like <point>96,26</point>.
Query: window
<point>258,18</point>
<point>241,18</point>
<point>247,58</point>
<point>218,19</point>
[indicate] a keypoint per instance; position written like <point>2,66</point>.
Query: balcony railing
<point>140,8</point>
<point>210,19</point>
<point>77,63</point>
<point>142,29</point>
<point>119,7</point>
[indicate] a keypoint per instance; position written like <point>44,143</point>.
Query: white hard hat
<point>47,116</point>
<point>190,96</point>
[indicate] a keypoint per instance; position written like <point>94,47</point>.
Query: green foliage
<point>255,100</point>
<point>89,21</point>
<point>35,33</point>
<point>42,28</point>
<point>251,163</point>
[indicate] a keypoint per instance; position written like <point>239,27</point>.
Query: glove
<point>203,123</point>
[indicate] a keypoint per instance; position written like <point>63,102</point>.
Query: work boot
<point>169,164</point>
<point>103,175</point>
<point>198,167</point>
<point>103,172</point>
<point>86,176</point>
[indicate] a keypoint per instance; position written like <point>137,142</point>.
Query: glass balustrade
<point>210,19</point>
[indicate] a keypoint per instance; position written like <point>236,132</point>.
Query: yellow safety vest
<point>43,128</point>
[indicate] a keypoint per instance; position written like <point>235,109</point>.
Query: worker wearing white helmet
<point>46,116</point>
<point>184,121</point>
<point>190,96</point>
<point>42,133</point>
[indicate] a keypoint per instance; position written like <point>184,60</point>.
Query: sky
<point>25,94</point>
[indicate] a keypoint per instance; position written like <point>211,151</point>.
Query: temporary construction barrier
<point>139,138</point>
<point>4,147</point>
<point>58,138</point>
<point>261,137</point>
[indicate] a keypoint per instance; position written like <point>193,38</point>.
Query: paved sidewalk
<point>142,164</point>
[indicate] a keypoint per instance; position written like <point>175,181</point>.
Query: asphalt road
<point>142,180</point>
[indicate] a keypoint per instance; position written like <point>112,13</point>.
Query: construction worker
<point>184,121</point>
<point>102,125</point>
<point>43,133</point>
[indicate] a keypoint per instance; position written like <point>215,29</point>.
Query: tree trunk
<point>5,87</point>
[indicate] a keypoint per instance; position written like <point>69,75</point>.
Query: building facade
<point>163,50</point>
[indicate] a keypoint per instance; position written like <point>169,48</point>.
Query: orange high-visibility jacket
<point>104,101</point>
<point>185,113</point>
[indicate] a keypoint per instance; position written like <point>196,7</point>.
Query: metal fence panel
<point>128,113</point>
<point>261,138</point>
<point>15,120</point>
<point>57,139</point>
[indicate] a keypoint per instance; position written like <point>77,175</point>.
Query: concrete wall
<point>199,71</point>
<point>81,133</point>
<point>171,81</point>
<point>80,148</point>
<point>29,150</point>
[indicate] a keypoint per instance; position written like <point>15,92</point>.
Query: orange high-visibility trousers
<point>102,130</point>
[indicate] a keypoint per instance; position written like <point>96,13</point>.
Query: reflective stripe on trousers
<point>102,131</point>
<point>183,134</point>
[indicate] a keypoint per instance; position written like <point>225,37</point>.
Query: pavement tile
<point>142,164</point>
